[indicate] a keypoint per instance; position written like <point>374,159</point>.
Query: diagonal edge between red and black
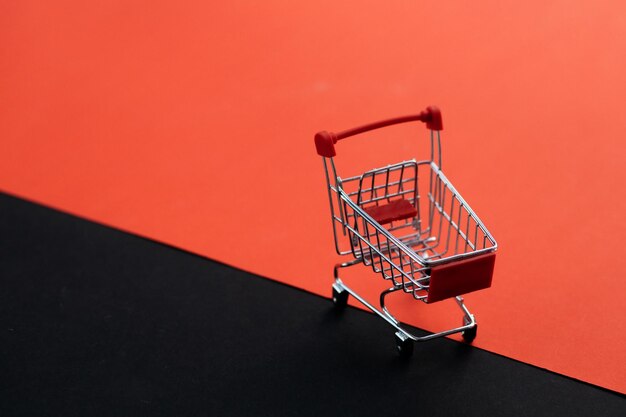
<point>95,320</point>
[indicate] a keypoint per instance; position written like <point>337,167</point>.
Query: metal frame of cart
<point>410,225</point>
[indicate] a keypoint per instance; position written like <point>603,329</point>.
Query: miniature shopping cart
<point>410,225</point>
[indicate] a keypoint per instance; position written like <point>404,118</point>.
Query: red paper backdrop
<point>192,123</point>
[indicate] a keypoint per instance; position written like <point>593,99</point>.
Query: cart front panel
<point>461,277</point>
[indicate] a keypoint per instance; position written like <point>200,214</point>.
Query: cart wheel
<point>470,334</point>
<point>340,299</point>
<point>404,345</point>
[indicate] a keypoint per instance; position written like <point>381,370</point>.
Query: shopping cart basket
<point>409,224</point>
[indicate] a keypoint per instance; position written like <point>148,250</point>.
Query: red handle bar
<point>325,141</point>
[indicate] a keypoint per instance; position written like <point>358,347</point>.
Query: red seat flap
<point>395,210</point>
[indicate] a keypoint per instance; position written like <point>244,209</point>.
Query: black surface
<point>94,321</point>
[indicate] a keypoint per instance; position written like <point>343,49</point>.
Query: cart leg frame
<point>402,334</point>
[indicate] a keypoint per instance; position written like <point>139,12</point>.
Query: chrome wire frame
<point>383,312</point>
<point>445,229</point>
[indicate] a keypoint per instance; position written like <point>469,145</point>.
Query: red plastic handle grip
<point>325,141</point>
